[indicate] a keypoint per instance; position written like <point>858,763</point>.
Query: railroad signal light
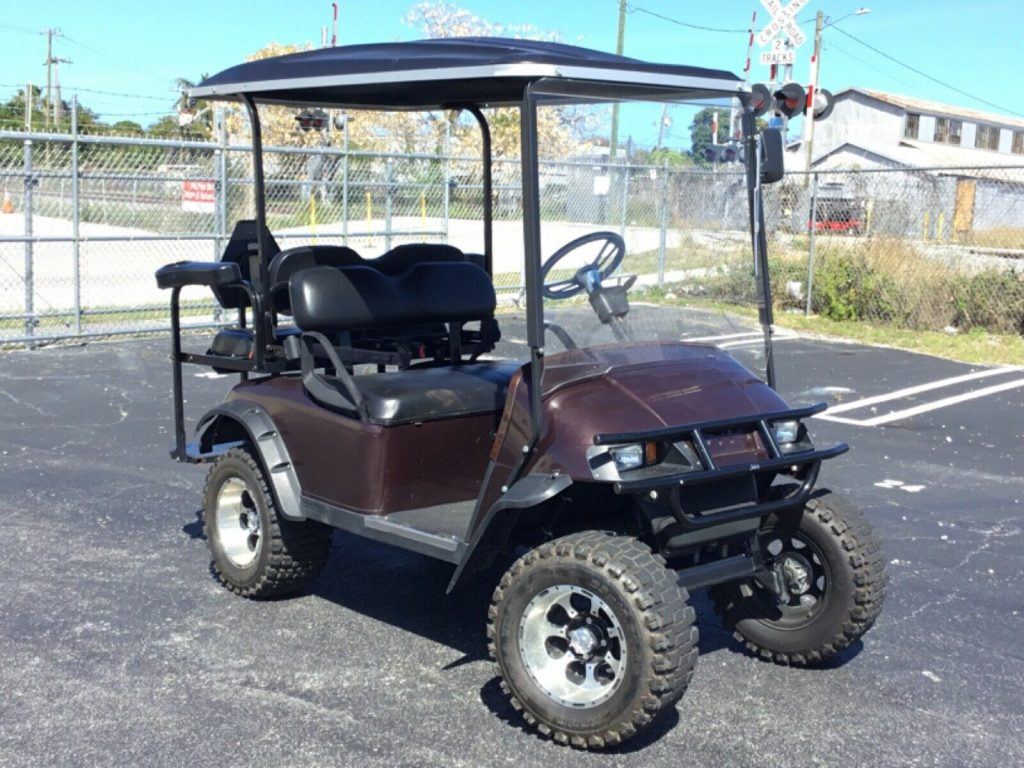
<point>760,99</point>
<point>312,120</point>
<point>790,99</point>
<point>721,154</point>
<point>822,103</point>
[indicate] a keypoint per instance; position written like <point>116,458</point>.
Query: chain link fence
<point>87,219</point>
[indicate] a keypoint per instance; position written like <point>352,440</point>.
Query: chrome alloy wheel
<point>573,646</point>
<point>238,522</point>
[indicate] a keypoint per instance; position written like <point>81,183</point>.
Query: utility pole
<point>50,33</point>
<point>28,107</point>
<point>620,43</point>
<point>809,113</point>
<point>662,125</point>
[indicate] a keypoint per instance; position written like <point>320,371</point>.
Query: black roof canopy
<point>428,74</point>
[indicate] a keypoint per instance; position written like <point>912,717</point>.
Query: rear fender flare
<point>267,443</point>
<point>525,493</point>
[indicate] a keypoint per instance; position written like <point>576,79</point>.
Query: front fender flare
<point>266,442</point>
<point>525,493</point>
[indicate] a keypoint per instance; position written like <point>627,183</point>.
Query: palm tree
<point>203,120</point>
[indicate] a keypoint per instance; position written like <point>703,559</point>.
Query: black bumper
<point>804,464</point>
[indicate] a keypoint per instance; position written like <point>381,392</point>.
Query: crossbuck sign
<point>783,21</point>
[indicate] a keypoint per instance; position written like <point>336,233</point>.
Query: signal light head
<point>790,99</point>
<point>760,99</point>
<point>823,103</point>
<point>315,120</point>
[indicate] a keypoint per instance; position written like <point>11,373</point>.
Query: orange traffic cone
<point>8,206</point>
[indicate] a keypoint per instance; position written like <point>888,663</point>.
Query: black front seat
<point>426,393</point>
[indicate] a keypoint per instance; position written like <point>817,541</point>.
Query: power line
<point>89,48</point>
<point>833,47</point>
<point>95,90</point>
<point>637,9</point>
<point>925,75</point>
<point>18,28</point>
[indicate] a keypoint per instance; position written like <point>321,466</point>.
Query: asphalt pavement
<point>117,647</point>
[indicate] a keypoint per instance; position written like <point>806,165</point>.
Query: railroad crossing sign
<point>783,21</point>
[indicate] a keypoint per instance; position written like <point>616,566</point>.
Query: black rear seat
<point>427,339</point>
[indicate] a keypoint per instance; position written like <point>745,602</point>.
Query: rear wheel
<point>256,551</point>
<point>593,637</point>
<point>828,564</point>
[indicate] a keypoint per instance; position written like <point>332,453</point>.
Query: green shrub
<point>992,300</point>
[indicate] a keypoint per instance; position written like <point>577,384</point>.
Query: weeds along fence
<point>88,219</point>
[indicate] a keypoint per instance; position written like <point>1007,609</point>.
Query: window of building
<point>1018,143</point>
<point>987,137</point>
<point>947,130</point>
<point>912,125</point>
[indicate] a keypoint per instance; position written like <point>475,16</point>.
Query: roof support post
<point>485,134</point>
<point>759,239</point>
<point>532,255</point>
<point>260,276</point>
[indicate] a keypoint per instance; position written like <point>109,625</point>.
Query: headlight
<point>627,457</point>
<point>786,431</point>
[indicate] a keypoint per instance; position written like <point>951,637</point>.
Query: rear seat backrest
<point>290,261</point>
<point>331,299</point>
<point>393,263</point>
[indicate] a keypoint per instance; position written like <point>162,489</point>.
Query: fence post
<point>811,231</point>
<point>388,202</point>
<point>663,224</point>
<point>625,200</point>
<point>344,186</point>
<point>76,242</point>
<point>221,185</point>
<point>447,175</point>
<point>28,278</point>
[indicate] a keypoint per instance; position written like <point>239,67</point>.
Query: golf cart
<point>393,398</point>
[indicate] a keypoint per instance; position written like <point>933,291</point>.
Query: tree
<point>673,158</point>
<point>561,131</point>
<point>700,131</point>
<point>12,114</point>
<point>202,124</point>
<point>378,131</point>
<point>127,128</point>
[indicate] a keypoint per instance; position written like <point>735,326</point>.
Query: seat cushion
<point>238,342</point>
<point>425,393</point>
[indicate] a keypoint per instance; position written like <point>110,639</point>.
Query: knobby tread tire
<point>864,567</point>
<point>298,549</point>
<point>667,625</point>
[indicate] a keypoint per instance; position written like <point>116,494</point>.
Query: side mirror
<point>773,164</point>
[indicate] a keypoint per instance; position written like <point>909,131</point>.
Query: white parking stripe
<point>906,413</point>
<point>722,337</point>
<point>908,391</point>
<point>839,419</point>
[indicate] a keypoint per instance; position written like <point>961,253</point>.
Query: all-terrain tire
<point>657,623</point>
<point>289,553</point>
<point>853,600</point>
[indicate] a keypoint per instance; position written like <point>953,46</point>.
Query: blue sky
<point>139,48</point>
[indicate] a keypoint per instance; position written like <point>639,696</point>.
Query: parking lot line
<point>723,336</point>
<point>945,402</point>
<point>908,391</point>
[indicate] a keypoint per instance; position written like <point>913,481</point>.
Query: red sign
<point>198,196</point>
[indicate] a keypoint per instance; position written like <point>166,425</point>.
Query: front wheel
<point>829,584</point>
<point>592,637</point>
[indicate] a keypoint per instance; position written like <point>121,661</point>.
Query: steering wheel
<point>609,257</point>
